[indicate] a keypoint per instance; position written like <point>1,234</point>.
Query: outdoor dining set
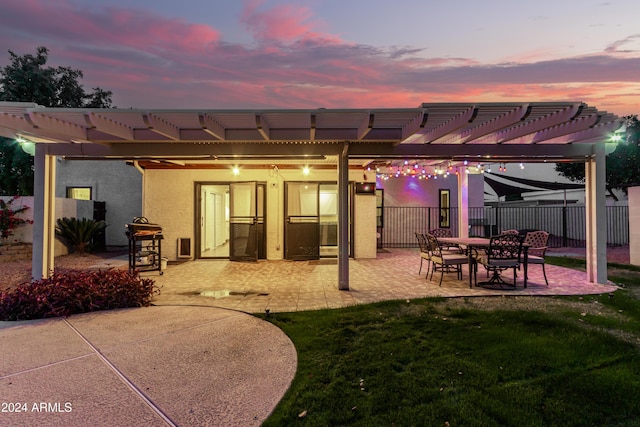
<point>509,250</point>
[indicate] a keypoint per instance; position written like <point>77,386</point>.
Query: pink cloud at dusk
<point>282,23</point>
<point>150,60</point>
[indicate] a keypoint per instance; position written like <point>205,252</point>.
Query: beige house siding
<point>169,200</point>
<point>634,225</point>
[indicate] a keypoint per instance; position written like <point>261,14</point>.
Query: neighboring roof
<point>504,186</point>
<point>433,130</point>
<point>503,189</point>
<point>541,185</point>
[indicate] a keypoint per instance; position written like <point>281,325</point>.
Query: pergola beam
<point>190,150</point>
<point>477,151</point>
<point>541,152</point>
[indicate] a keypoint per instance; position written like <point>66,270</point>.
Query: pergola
<point>430,134</point>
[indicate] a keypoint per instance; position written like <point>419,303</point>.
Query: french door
<point>246,221</point>
<point>311,220</point>
<point>302,221</point>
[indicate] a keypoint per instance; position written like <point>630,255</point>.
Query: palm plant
<point>78,233</point>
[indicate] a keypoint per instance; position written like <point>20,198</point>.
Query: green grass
<point>571,361</point>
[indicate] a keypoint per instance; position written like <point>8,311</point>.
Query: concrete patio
<point>281,286</point>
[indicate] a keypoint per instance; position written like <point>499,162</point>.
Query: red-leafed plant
<point>9,219</point>
<point>77,291</point>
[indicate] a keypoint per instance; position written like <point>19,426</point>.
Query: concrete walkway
<point>155,366</point>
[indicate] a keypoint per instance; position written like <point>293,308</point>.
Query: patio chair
<point>446,247</point>
<point>503,253</point>
<point>425,253</point>
<point>510,232</point>
<point>445,261</point>
<point>538,246</point>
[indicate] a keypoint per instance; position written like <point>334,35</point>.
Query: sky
<point>291,54</point>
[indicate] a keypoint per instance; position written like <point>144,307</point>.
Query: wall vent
<point>184,247</point>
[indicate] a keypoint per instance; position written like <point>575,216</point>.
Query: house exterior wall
<point>114,182</point>
<point>169,200</point>
<point>65,208</point>
<point>634,225</point>
<point>365,225</point>
<point>413,192</point>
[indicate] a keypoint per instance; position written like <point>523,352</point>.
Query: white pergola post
<point>463,204</point>
<point>343,219</point>
<point>596,216</point>
<point>44,212</point>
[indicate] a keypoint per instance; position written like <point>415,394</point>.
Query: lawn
<point>501,361</point>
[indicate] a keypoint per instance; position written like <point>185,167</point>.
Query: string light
<point>420,169</point>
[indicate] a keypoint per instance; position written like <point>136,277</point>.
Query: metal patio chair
<point>446,247</point>
<point>504,253</point>
<point>425,253</point>
<point>445,261</point>
<point>510,232</point>
<point>537,241</point>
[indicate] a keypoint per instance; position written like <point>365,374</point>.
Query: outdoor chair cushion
<point>532,259</point>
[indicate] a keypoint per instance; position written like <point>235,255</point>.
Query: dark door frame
<point>262,236</point>
<point>351,193</point>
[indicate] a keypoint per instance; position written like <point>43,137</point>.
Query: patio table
<point>482,243</point>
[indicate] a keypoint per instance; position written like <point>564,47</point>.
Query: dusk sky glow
<point>217,54</point>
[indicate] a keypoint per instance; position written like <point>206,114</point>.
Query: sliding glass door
<point>302,231</point>
<point>245,222</point>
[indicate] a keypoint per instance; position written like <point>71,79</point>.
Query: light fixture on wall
<point>27,146</point>
<point>235,171</point>
<point>306,171</point>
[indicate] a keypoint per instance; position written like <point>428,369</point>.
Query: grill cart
<point>145,245</point>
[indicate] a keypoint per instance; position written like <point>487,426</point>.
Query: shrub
<point>8,217</point>
<point>76,291</point>
<point>78,233</point>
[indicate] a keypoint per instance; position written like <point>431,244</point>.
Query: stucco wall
<point>634,225</point>
<point>413,192</point>
<point>113,182</point>
<point>169,200</point>
<point>365,225</point>
<point>68,208</point>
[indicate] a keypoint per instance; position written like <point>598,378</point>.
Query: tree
<point>623,168</point>
<point>28,79</point>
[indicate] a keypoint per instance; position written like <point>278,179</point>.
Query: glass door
<point>214,221</point>
<point>328,220</point>
<point>243,221</point>
<point>302,222</point>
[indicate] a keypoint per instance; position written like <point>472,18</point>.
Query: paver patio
<point>280,286</point>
